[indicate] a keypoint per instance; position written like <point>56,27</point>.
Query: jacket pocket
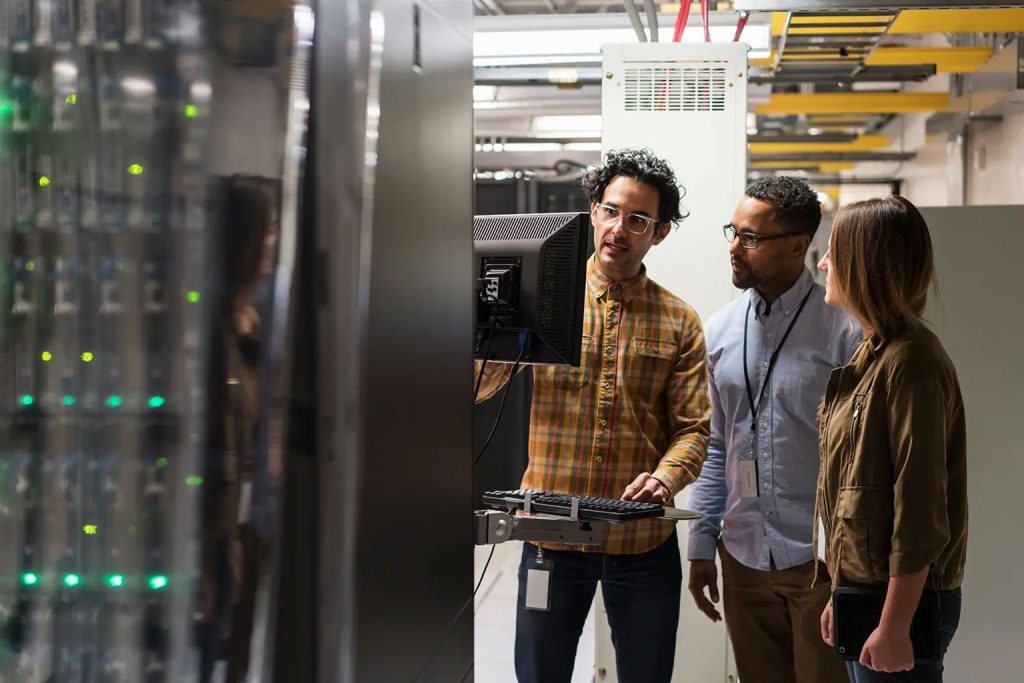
<point>865,516</point>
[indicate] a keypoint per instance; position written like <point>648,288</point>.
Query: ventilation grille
<point>558,262</point>
<point>675,89</point>
<point>517,227</point>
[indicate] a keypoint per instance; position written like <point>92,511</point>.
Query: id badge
<point>538,585</point>
<point>748,478</point>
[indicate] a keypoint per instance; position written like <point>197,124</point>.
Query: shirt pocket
<point>807,376</point>
<point>650,363</point>
<point>864,515</point>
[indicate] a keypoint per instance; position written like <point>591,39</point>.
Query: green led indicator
<point>156,401</point>
<point>114,580</point>
<point>157,581</point>
<point>191,110</point>
<point>114,401</point>
<point>6,107</point>
<point>71,99</point>
<point>30,266</point>
<point>87,356</point>
<point>26,400</point>
<point>72,580</point>
<point>194,480</point>
<point>193,297</point>
<point>44,181</point>
<point>161,462</point>
<point>30,578</point>
<point>136,169</point>
<point>46,356</point>
<point>68,400</point>
<point>91,529</point>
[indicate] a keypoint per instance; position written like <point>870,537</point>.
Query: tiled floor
<point>496,620</point>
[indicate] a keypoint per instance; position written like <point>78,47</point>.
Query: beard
<point>744,277</point>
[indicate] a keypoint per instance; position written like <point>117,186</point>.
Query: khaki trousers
<point>773,622</point>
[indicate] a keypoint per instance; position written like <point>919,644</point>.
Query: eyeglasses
<point>609,216</point>
<point>750,240</point>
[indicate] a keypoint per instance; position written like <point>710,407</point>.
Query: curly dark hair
<point>797,207</point>
<point>642,165</point>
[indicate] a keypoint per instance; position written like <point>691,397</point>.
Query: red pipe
<point>704,7</point>
<point>681,18</point>
<point>741,24</point>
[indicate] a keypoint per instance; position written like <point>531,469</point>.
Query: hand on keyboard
<point>645,488</point>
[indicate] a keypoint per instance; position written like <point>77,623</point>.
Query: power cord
<point>462,609</point>
<point>504,395</point>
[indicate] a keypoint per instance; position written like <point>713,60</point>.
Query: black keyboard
<point>561,504</point>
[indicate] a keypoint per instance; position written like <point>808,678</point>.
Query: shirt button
<point>769,513</point>
<point>787,312</point>
<point>764,363</point>
<point>599,459</point>
<point>602,423</point>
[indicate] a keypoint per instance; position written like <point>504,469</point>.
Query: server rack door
<point>138,270</point>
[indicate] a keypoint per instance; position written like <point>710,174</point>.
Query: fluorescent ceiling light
<point>589,41</point>
<point>521,147</point>
<point>563,75</point>
<point>584,134</point>
<point>537,60</point>
<point>485,93</point>
<point>567,123</point>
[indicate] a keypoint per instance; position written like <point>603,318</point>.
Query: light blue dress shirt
<point>777,524</point>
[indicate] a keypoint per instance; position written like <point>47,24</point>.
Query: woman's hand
<point>827,626</point>
<point>888,651</point>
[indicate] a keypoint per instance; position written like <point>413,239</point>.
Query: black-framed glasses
<point>750,240</point>
<point>636,223</point>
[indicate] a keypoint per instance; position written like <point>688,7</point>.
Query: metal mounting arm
<point>496,526</point>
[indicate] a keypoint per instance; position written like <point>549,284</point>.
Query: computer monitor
<point>531,272</point>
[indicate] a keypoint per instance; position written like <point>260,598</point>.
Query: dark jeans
<point>949,619</point>
<point>641,595</point>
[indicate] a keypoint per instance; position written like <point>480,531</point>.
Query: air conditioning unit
<point>688,104</point>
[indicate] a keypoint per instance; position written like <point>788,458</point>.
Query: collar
<point>600,286</point>
<point>789,301</point>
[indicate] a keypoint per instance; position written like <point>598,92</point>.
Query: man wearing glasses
<point>631,422</point>
<point>770,353</point>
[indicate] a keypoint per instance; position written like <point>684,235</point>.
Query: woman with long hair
<point>892,488</point>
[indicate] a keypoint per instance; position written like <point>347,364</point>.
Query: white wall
<point>996,162</point>
<point>995,169</point>
<point>977,324</point>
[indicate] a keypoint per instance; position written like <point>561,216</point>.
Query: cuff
<point>701,547</point>
<point>904,563</point>
<point>675,478</point>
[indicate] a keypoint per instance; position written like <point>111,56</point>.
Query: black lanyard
<point>771,363</point>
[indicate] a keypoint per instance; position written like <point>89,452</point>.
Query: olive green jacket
<point>892,487</point>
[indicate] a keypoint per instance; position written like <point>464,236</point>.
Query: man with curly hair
<point>631,422</point>
<point>770,353</point>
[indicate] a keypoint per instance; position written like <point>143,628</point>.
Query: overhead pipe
<point>634,18</point>
<point>652,19</point>
<point>681,18</point>
<point>741,24</point>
